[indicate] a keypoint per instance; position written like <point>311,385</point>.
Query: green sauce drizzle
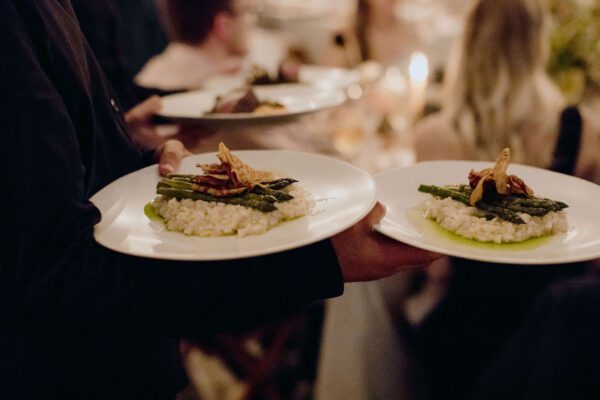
<point>151,213</point>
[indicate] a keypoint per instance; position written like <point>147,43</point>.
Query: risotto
<point>494,207</point>
<point>466,221</point>
<point>203,218</point>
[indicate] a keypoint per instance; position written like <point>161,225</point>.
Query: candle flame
<point>418,69</point>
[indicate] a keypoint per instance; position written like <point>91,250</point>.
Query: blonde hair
<point>498,81</point>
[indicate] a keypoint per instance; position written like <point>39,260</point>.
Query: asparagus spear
<point>526,202</point>
<point>175,184</point>
<point>279,183</point>
<point>502,213</point>
<point>267,193</point>
<point>279,195</point>
<point>248,200</point>
<point>455,194</point>
<point>443,192</point>
<point>505,207</point>
<point>183,177</point>
<point>276,184</point>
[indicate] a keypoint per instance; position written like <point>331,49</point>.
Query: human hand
<point>169,156</point>
<point>366,255</point>
<point>139,120</point>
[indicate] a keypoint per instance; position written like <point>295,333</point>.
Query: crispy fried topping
<point>229,178</point>
<point>496,178</point>
<point>240,173</point>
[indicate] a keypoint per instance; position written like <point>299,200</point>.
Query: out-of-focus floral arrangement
<point>575,47</point>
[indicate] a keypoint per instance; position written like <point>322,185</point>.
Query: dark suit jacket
<point>76,319</point>
<point>555,354</point>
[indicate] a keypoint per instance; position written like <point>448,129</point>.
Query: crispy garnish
<point>229,178</point>
<point>239,172</point>
<point>497,178</point>
<point>213,168</point>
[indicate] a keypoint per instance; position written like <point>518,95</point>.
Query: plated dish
<point>296,100</point>
<point>228,198</point>
<point>244,101</point>
<point>494,207</point>
<point>441,217</point>
<point>335,200</point>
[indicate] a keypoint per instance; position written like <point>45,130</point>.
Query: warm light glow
<point>354,92</point>
<point>418,69</point>
<point>394,80</point>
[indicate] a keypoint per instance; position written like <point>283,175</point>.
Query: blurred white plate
<point>344,194</point>
<point>319,76</point>
<point>298,100</point>
<point>397,189</point>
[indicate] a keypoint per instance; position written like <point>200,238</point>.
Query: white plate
<point>298,100</point>
<point>397,189</point>
<point>319,76</point>
<point>344,195</point>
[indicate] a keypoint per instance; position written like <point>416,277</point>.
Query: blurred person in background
<point>208,38</point>
<point>381,36</point>
<point>498,95</point>
<point>219,39</point>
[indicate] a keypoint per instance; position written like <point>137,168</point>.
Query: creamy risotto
<point>466,221</point>
<point>203,218</point>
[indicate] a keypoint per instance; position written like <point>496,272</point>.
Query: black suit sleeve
<point>52,271</point>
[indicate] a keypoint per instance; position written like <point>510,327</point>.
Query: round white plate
<point>298,100</point>
<point>344,194</point>
<point>397,189</point>
<point>319,76</point>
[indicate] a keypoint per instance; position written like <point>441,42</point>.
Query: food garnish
<point>496,194</point>
<point>496,179</point>
<point>230,182</point>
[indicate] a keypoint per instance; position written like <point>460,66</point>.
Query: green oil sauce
<point>432,229</point>
<point>151,213</point>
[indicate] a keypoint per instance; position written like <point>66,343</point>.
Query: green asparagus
<point>247,200</point>
<point>278,184</point>
<point>262,197</point>
<point>503,207</point>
